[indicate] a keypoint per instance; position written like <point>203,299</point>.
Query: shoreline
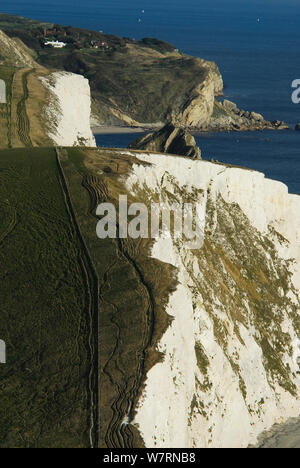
<point>119,130</point>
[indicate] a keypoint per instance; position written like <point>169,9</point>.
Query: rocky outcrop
<point>182,91</point>
<point>297,128</point>
<point>197,110</point>
<point>226,116</point>
<point>230,357</point>
<point>170,139</point>
<point>68,112</point>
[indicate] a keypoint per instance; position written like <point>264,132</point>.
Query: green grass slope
<point>133,292</point>
<point>80,316</point>
<point>23,122</point>
<point>47,386</point>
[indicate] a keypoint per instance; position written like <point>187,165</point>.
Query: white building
<point>56,44</point>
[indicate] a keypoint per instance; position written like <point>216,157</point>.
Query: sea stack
<point>169,139</point>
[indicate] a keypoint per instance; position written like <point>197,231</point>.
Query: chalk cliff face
<point>68,111</point>
<point>230,366</point>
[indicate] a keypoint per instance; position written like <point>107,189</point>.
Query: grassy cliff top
<point>33,33</point>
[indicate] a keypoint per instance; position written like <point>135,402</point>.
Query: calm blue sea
<point>255,43</point>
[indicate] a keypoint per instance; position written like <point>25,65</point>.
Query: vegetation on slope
<point>45,397</point>
<point>252,285</point>
<point>131,81</point>
<point>15,52</point>
<point>82,316</point>
<point>133,292</point>
<point>21,118</point>
<point>65,293</point>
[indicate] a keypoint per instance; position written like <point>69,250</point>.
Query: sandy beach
<point>115,130</point>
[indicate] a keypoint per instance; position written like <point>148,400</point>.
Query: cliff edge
<point>39,107</point>
<point>68,111</point>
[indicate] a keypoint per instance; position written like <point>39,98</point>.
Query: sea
<point>256,45</point>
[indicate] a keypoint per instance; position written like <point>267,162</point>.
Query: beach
<point>115,130</point>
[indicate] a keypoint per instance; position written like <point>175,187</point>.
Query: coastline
<point>117,130</point>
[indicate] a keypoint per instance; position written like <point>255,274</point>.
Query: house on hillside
<point>49,32</point>
<point>99,45</point>
<point>55,44</point>
<point>2,92</point>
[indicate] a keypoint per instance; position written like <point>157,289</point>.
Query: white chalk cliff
<point>230,366</point>
<point>68,111</point>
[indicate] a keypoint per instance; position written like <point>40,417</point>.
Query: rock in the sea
<point>229,105</point>
<point>279,125</point>
<point>256,116</point>
<point>169,139</point>
<point>297,127</point>
<point>227,117</point>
